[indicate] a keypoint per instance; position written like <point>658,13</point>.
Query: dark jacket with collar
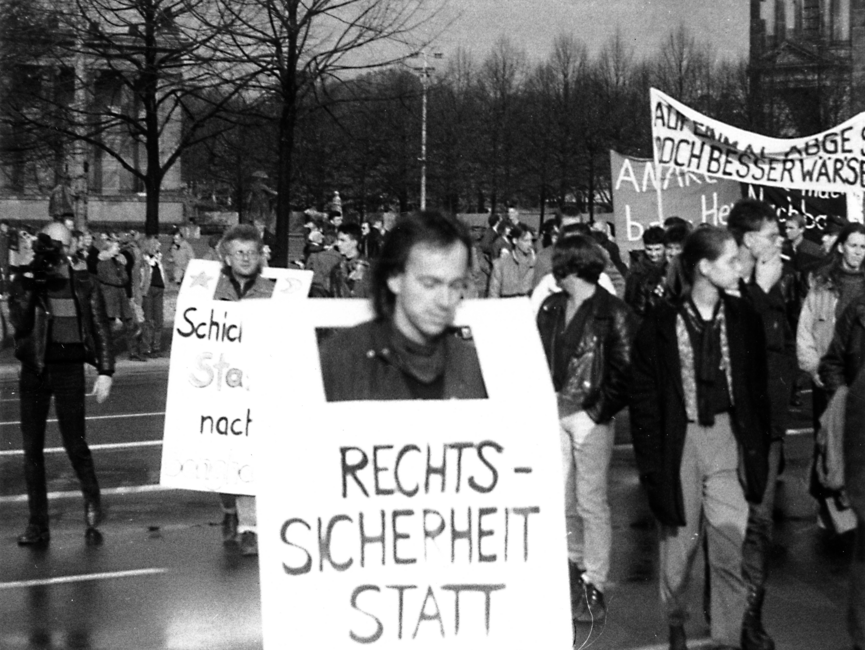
<point>846,354</point>
<point>782,366</point>
<point>30,314</point>
<point>597,374</point>
<point>659,419</point>
<point>358,364</point>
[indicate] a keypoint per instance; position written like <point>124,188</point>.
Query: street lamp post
<point>425,71</point>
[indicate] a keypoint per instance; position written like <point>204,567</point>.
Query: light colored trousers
<point>244,506</point>
<point>246,515</point>
<point>715,504</point>
<point>586,451</point>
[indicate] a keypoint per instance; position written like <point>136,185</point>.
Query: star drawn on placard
<point>200,280</point>
<point>291,286</point>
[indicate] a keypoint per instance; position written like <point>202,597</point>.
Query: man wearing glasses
<point>767,285</point>
<point>242,250</point>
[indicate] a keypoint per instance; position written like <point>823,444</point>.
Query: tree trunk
<point>287,122</point>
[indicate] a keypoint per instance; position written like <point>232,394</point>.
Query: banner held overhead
<point>831,161</point>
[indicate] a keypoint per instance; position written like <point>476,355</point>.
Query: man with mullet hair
<point>410,350</point>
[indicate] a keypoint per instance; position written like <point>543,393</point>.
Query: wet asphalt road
<point>163,580</point>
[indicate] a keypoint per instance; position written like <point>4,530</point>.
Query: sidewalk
<point>9,365</point>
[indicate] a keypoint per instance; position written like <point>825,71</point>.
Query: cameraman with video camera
<point>59,318</point>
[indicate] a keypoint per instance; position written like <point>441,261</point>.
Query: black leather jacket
<point>30,315</point>
<point>598,372</point>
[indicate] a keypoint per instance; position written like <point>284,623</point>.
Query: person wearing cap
<point>60,324</point>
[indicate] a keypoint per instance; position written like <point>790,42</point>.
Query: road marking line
<point>107,445</point>
<point>130,489</point>
<point>98,417</point>
<point>81,578</point>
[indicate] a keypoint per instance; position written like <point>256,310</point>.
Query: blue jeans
<point>65,381</point>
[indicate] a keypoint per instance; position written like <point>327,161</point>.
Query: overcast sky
<point>533,24</point>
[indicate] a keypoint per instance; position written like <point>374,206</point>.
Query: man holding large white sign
<point>416,498</point>
<point>209,422</point>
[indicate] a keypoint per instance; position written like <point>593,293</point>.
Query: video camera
<point>47,256</point>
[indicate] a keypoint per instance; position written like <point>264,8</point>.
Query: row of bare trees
<point>502,129</point>
<point>318,94</point>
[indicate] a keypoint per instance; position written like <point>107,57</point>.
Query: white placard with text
<point>209,418</point>
<point>409,524</point>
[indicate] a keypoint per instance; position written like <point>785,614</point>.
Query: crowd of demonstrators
<point>586,333</point>
<point>700,338</point>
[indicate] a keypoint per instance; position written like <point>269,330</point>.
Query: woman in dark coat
<point>701,430</point>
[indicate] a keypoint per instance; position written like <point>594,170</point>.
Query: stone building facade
<point>807,63</point>
<point>98,186</point>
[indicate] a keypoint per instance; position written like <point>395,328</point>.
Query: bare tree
<point>293,48</point>
<point>502,78</point>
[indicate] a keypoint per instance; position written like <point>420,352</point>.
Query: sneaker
<point>248,543</point>
<point>596,610</point>
<point>229,528</point>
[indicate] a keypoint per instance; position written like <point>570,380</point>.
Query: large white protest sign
<point>832,161</point>
<point>424,523</point>
<point>210,422</point>
<point>644,194</point>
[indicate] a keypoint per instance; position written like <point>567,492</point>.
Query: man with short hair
<point>806,254</point>
<point>674,238</point>
<point>513,274</point>
<point>410,350</point>
<point>60,324</point>
<point>349,279</point>
<point>763,284</point>
<point>644,287</point>
<point>241,279</point>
